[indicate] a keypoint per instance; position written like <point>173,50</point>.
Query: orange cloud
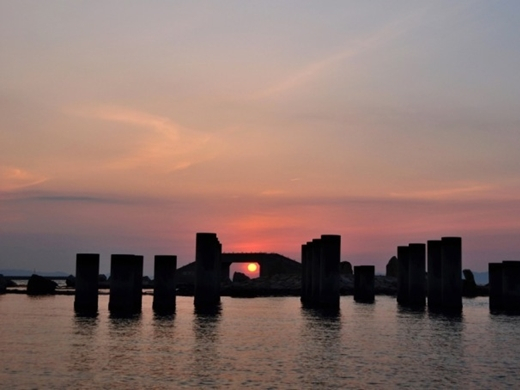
<point>165,145</point>
<point>12,178</point>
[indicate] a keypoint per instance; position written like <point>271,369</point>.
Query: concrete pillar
<point>315,269</point>
<point>364,283</point>
<point>451,258</point>
<point>511,286</point>
<point>87,272</point>
<point>402,274</point>
<point>138,278</point>
<point>304,295</point>
<point>308,273</point>
<point>218,267</point>
<point>207,270</point>
<point>434,274</point>
<point>416,274</point>
<point>329,271</point>
<point>125,284</point>
<point>164,284</point>
<point>495,286</point>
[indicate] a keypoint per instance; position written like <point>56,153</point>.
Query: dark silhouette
<point>86,282</point>
<point>345,268</point>
<point>38,285</point>
<point>444,274</point>
<point>240,277</point>
<point>511,287</point>
<point>320,281</point>
<point>126,274</point>
<point>3,284</point>
<point>417,275</point>
<point>495,286</point>
<point>329,271</point>
<point>402,276</point>
<point>451,258</point>
<point>469,286</point>
<point>164,294</point>
<point>434,273</point>
<point>364,283</point>
<point>207,270</point>
<point>392,267</point>
<point>306,275</point>
<point>70,281</point>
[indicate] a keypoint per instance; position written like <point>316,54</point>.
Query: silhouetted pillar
<point>434,274</point>
<point>138,278</point>
<point>364,283</point>
<point>164,283</point>
<point>329,271</point>
<point>125,284</point>
<point>315,268</point>
<point>402,274</point>
<point>451,258</point>
<point>495,286</point>
<point>218,267</point>
<point>207,270</point>
<point>305,274</point>
<point>417,274</point>
<point>511,286</point>
<point>308,272</point>
<point>86,294</point>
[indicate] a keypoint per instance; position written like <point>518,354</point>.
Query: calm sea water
<point>264,343</point>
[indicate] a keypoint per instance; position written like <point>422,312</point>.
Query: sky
<point>128,126</point>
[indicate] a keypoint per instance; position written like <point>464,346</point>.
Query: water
<point>264,343</point>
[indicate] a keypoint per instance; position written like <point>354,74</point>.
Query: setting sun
<point>252,267</point>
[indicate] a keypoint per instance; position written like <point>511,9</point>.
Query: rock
<point>3,284</point>
<point>391,267</point>
<point>70,281</point>
<point>239,277</point>
<point>345,268</point>
<point>38,285</point>
<point>147,282</point>
<point>11,283</point>
<point>469,287</point>
<point>103,282</point>
<point>7,282</point>
<point>346,284</point>
<point>385,285</point>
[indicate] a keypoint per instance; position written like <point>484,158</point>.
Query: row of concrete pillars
<point>126,275</point>
<point>504,287</point>
<point>320,260</point>
<point>444,284</point>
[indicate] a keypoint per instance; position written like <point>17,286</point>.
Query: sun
<point>252,267</point>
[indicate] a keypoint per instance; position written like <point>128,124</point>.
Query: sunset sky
<point>128,126</point>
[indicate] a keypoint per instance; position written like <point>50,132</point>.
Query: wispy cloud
<point>165,145</point>
<point>352,49</point>
<point>13,178</point>
<point>445,193</point>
